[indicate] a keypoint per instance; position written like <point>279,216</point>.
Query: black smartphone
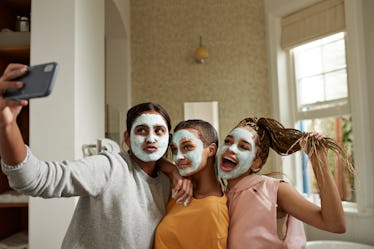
<point>39,81</point>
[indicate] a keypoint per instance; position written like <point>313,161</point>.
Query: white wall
<point>71,33</point>
<point>360,37</point>
<point>118,66</point>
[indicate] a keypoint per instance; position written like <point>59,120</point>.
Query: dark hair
<point>285,141</point>
<point>207,133</point>
<point>137,110</point>
<point>272,134</point>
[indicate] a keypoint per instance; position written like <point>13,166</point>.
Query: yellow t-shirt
<point>202,224</point>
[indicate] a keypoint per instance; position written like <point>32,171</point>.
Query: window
<point>321,100</point>
<point>302,29</point>
<point>320,74</point>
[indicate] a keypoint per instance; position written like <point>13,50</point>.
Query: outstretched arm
<point>330,216</point>
<point>12,146</point>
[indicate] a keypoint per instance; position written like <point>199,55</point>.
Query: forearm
<point>331,207</point>
<point>168,168</point>
<point>182,188</point>
<point>12,146</point>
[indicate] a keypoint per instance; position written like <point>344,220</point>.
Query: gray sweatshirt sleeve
<point>85,177</point>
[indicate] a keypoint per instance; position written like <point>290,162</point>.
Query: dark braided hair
<point>272,134</point>
<point>285,141</point>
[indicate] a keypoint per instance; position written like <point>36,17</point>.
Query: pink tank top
<point>253,216</point>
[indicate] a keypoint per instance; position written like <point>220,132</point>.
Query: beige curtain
<point>316,21</point>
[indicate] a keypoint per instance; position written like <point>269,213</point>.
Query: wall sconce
<point>201,53</point>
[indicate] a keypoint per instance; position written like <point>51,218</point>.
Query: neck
<point>232,182</point>
<point>205,183</point>
<point>147,167</point>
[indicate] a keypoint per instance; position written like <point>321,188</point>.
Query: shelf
<point>11,199</point>
<point>17,240</point>
<point>14,48</point>
<point>15,45</point>
<point>14,205</point>
<point>20,54</point>
<point>11,39</point>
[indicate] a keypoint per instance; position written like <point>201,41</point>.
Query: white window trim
<point>279,76</point>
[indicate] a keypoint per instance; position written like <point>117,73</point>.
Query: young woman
<point>204,223</point>
<point>122,196</point>
<point>266,212</point>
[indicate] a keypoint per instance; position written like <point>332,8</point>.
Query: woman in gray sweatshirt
<point>122,196</point>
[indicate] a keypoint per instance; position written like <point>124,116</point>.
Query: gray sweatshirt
<point>119,205</point>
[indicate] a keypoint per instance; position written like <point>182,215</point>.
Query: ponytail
<point>285,141</point>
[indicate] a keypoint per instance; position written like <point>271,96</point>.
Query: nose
<point>151,138</point>
<point>178,156</point>
<point>233,148</point>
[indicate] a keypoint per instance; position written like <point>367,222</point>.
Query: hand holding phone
<point>38,82</point>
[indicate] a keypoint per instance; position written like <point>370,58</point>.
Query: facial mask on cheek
<point>244,157</point>
<point>194,156</point>
<point>137,141</point>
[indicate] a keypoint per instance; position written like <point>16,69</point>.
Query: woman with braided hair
<point>266,212</point>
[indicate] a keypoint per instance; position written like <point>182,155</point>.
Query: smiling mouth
<point>228,164</point>
<point>183,165</point>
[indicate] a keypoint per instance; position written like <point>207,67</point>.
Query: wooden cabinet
<point>14,48</point>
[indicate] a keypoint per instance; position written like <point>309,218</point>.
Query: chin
<point>189,172</point>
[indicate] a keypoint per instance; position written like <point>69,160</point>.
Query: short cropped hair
<point>207,133</point>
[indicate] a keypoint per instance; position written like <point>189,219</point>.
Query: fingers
<point>177,185</point>
<point>13,71</point>
<point>4,85</point>
<point>317,148</point>
<point>183,191</point>
<point>13,103</point>
<point>318,136</point>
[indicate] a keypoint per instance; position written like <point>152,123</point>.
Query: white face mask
<point>194,156</point>
<point>137,141</point>
<point>244,157</point>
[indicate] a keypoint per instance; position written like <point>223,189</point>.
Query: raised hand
<point>9,109</point>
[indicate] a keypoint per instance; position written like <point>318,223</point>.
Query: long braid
<point>272,134</point>
<point>285,141</point>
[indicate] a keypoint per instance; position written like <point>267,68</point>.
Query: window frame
<point>280,74</point>
<point>342,105</point>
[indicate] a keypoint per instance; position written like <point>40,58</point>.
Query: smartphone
<point>39,81</point>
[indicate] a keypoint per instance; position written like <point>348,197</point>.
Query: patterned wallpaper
<point>164,36</point>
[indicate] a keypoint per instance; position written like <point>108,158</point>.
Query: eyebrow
<point>246,142</point>
<point>185,140</point>
<point>141,126</point>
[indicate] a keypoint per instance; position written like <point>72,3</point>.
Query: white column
<point>71,33</point>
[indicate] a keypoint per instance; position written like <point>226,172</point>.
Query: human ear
<point>126,138</point>
<point>212,150</point>
<point>256,165</point>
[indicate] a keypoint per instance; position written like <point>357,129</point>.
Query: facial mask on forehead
<point>194,156</point>
<point>244,157</point>
<point>137,141</point>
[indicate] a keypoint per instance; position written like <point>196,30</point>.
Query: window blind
<point>316,21</point>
